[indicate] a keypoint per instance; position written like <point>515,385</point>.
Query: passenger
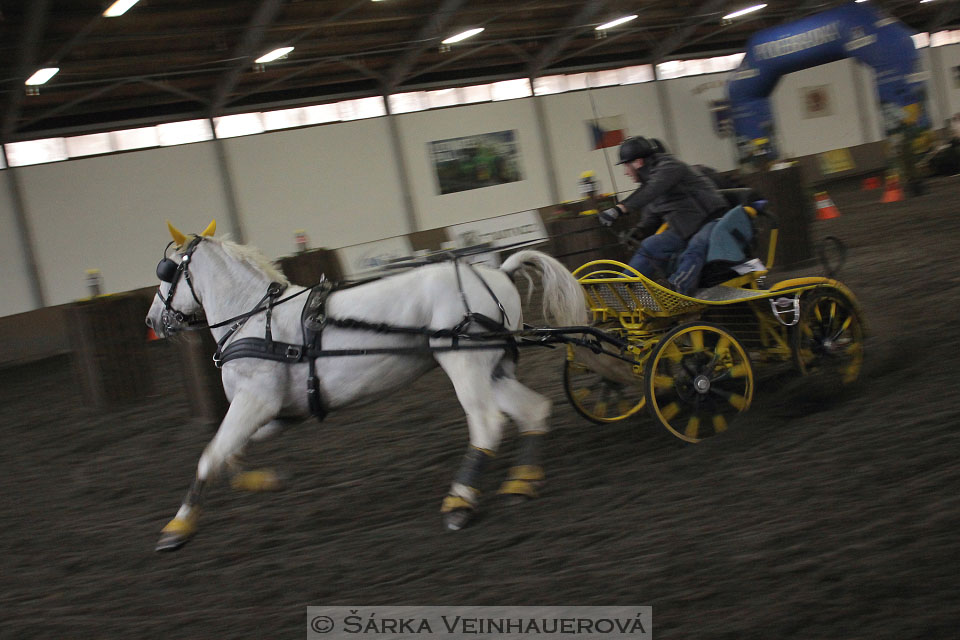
<point>670,192</point>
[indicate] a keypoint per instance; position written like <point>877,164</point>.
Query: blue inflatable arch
<point>849,31</point>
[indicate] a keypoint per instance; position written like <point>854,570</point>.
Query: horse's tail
<point>563,300</point>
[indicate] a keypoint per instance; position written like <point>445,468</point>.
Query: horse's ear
<point>210,230</point>
<point>178,238</point>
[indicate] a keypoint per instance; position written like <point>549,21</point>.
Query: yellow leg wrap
<point>451,503</point>
<point>260,480</point>
<point>183,526</point>
<point>523,480</point>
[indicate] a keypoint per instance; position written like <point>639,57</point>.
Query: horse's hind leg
<point>246,414</point>
<point>471,377</point>
<point>530,411</point>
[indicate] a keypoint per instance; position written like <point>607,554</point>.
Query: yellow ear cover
<point>176,234</point>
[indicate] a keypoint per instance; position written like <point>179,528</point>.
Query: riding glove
<point>608,216</point>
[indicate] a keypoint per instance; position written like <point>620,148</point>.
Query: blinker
<point>166,270</point>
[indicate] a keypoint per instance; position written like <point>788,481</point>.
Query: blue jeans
<point>652,258</point>
<point>686,276</point>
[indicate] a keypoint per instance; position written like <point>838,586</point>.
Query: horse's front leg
<point>248,412</point>
<point>472,382</point>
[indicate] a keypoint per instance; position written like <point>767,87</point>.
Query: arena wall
<point>108,213</point>
<point>342,183</point>
<point>15,293</point>
<point>339,183</point>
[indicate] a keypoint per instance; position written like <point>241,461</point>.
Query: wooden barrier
<point>791,203</point>
<point>305,268</point>
<point>108,340</point>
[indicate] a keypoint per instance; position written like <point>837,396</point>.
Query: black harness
<point>493,334</point>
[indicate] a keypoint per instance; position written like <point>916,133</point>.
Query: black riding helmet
<point>636,147</point>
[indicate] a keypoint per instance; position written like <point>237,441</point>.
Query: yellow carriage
<point>690,359</point>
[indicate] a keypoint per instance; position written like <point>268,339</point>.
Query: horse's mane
<point>252,256</point>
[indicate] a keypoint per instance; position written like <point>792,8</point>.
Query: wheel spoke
<point>719,423</point>
<point>673,353</point>
<point>662,382</point>
<point>670,411</point>
<point>693,427</point>
<point>696,341</point>
<point>600,409</point>
<point>581,394</point>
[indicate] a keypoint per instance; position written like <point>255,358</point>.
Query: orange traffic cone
<point>152,335</point>
<point>892,191</point>
<point>826,210</point>
<point>871,183</point>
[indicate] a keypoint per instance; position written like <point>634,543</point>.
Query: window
<point>361,108</point>
<point>20,154</point>
<point>407,102</point>
<point>242,124</point>
<point>93,144</point>
<point>135,138</point>
<point>185,132</point>
<point>510,89</point>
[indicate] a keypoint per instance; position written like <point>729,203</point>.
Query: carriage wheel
<point>828,337</point>
<point>697,380</point>
<point>599,398</point>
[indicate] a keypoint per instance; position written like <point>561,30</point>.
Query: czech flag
<point>607,132</point>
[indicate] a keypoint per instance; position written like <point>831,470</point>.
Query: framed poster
<point>816,101</point>
<point>473,162</point>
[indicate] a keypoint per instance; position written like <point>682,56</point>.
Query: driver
<point>670,192</point>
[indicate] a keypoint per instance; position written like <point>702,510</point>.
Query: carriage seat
<point>732,250</point>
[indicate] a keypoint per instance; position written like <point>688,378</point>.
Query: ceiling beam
<point>423,40</point>
<point>577,24</point>
<point>264,16</point>
<point>947,14</point>
<point>26,61</point>
<point>702,14</point>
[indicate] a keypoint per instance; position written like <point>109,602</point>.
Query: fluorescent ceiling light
<point>42,75</point>
<point>273,55</point>
<point>742,12</point>
<point>616,23</point>
<point>119,8</point>
<point>462,36</point>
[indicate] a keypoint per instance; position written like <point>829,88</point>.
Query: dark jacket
<point>676,193</point>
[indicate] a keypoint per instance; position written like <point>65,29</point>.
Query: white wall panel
<point>15,293</point>
<point>109,213</point>
<point>948,81</point>
<point>798,135</point>
<point>337,182</point>
<point>418,130</point>
<point>697,141</point>
<point>568,115</point>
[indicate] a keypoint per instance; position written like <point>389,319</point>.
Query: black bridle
<point>170,271</point>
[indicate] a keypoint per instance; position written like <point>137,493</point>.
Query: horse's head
<point>177,304</point>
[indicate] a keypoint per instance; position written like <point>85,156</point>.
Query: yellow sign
<point>836,161</point>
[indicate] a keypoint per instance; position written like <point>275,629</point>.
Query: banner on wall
<point>836,161</point>
<point>512,230</point>
<point>473,162</point>
<point>369,258</point>
<point>722,118</point>
<point>607,132</point>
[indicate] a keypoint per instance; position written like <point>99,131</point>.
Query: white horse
<point>211,281</point>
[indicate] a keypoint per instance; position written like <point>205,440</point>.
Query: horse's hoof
<point>458,519</point>
<point>171,542</point>
<point>178,532</point>
<point>514,500</point>
<point>259,480</point>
